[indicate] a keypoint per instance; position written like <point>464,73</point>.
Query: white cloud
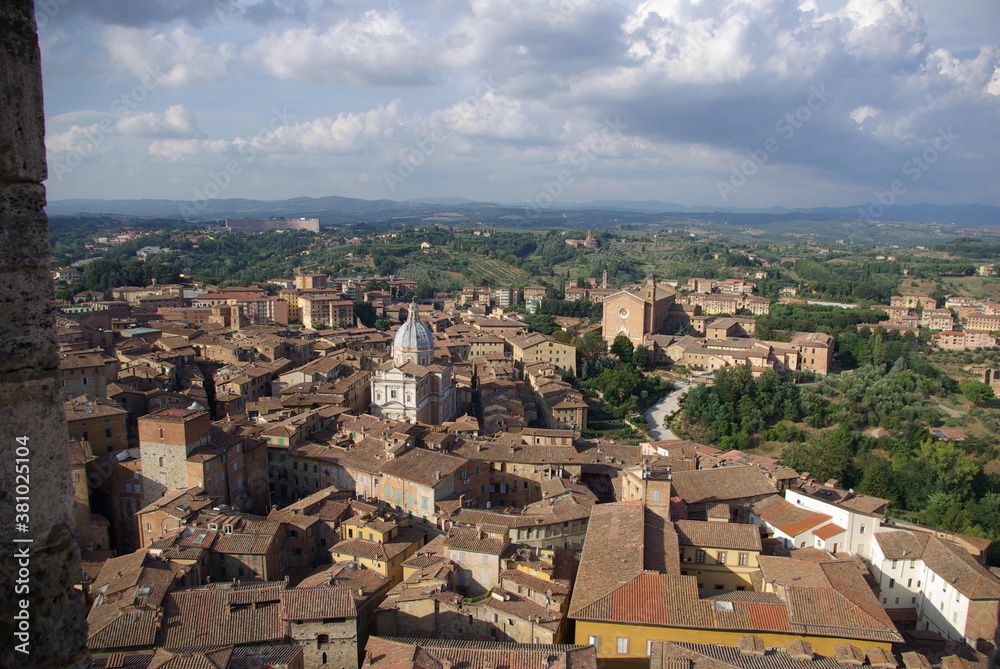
<point>862,114</point>
<point>77,138</point>
<point>344,134</point>
<point>174,60</point>
<point>378,48</point>
<point>176,121</point>
<point>178,150</point>
<point>493,116</point>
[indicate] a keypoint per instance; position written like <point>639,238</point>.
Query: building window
<point>721,557</point>
<point>699,556</point>
<point>744,558</point>
<point>862,530</point>
<point>622,645</point>
<point>892,583</point>
<point>595,641</point>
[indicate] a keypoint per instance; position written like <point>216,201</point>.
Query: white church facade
<point>414,386</point>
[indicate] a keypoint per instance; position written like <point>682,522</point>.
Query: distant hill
<point>333,210</point>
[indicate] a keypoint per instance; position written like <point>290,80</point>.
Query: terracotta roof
<point>661,545</point>
<point>221,615</point>
<point>721,483</point>
<point>399,653</point>
<point>243,544</point>
<point>373,550</point>
<point>361,581</point>
<point>469,539</point>
<point>318,603</point>
<point>847,499</point>
<point>705,656</point>
<point>666,599</point>
<point>824,596</point>
<point>114,627</point>
<point>84,406</point>
<point>718,535</point>
<point>612,552</point>
<point>790,518</point>
<point>900,544</point>
<point>423,466</point>
<point>828,531</point>
<point>533,582</point>
<point>517,606</point>
<point>954,564</point>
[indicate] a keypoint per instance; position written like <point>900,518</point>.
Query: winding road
<point>659,411</point>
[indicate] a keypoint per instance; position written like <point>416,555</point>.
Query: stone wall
<point>29,405</point>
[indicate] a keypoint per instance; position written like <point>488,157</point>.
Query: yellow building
<point>380,544</point>
<point>630,593</point>
<point>535,347</point>
<point>722,556</point>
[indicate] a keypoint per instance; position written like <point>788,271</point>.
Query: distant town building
<point>266,224</point>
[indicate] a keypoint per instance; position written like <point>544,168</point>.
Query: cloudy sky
<point>701,102</point>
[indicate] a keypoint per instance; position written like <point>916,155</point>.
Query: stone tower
<point>39,573</point>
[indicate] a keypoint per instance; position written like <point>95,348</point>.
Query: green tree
<point>642,358</point>
<point>562,336</point>
<point>592,345</point>
<point>877,478</point>
<point>365,313</point>
<point>622,347</point>
<point>976,392</point>
<point>382,324</point>
<point>543,323</point>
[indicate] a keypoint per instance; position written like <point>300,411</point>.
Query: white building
<point>854,516</point>
<point>414,385</point>
<point>944,588</point>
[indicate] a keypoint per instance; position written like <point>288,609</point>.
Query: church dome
<point>413,335</point>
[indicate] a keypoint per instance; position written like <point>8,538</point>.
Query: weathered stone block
<point>24,228</point>
<point>29,408</point>
<point>22,122</point>
<point>27,319</point>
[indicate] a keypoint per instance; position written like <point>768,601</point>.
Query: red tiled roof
<point>318,603</point>
<point>828,531</point>
<point>222,616</point>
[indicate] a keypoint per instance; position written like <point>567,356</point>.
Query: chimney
<point>848,655</point>
<point>751,644</point>
<point>800,650</point>
<point>369,659</point>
